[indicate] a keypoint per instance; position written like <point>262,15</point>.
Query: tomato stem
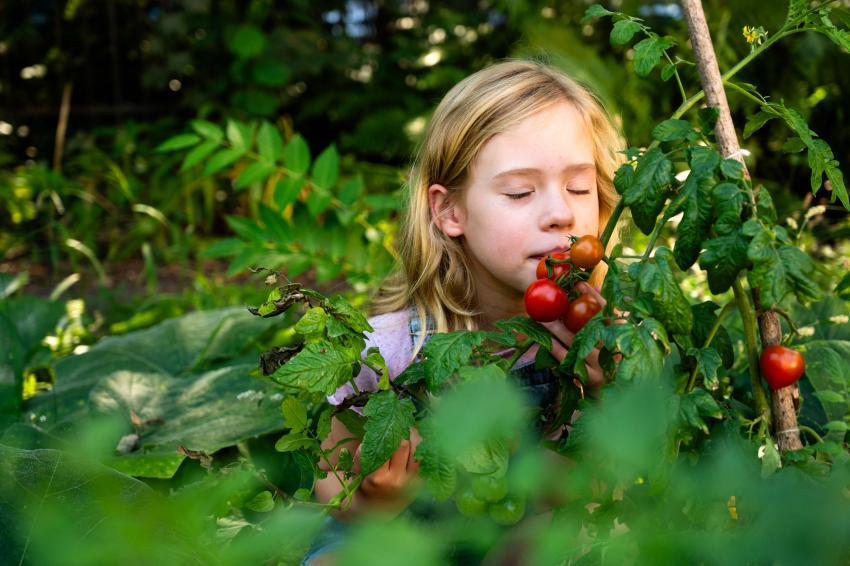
<point>727,308</point>
<point>612,223</point>
<point>751,340</point>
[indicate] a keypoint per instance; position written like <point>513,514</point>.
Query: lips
<point>541,255</point>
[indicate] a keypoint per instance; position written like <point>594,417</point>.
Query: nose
<point>558,211</point>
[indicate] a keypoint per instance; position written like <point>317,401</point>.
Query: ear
<point>447,215</point>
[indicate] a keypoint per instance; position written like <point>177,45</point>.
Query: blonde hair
<point>434,276</point>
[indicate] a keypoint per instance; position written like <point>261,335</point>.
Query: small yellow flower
<point>754,35</point>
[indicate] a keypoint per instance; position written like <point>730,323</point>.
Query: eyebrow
<point>531,171</point>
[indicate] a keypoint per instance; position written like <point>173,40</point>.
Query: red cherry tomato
<point>781,366</point>
<point>580,311</point>
<point>558,269</point>
<point>545,301</point>
<point>587,251</point>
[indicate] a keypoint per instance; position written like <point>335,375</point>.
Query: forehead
<point>550,140</point>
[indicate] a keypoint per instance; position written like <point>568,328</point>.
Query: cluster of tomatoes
<point>547,299</point>
<point>487,494</point>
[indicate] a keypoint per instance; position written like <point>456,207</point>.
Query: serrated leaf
<point>723,258</point>
<point>756,121</point>
<point>318,368</point>
<point>294,414</point>
<point>696,199</point>
<point>728,200</point>
<point>341,309</point>
<point>827,369</point>
<point>389,420</point>
<point>704,320</point>
<point>643,358</point>
<point>221,159</point>
<point>180,141</point>
<point>526,326</point>
<point>732,169</point>
<point>668,71</point>
<point>645,189</point>
<point>595,11</point>
<point>648,53</point>
<point>435,465</point>
<point>269,143</point>
<point>779,269</point>
<point>623,31</point>
<point>326,168</point>
<point>254,173</point>
<point>669,304</point>
<point>207,129</point>
<point>198,154</point>
<point>828,396</point>
<point>312,323</point>
<point>672,130</point>
<point>446,353</point>
<point>296,155</point>
<point>709,362</point>
<point>793,145</point>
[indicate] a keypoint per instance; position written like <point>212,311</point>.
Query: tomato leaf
<point>728,201</point>
<point>296,155</point>
<point>645,189</point>
<point>642,356</point>
<point>669,304</point>
<point>446,353</point>
<point>435,465</point>
<point>623,31</point>
<point>827,368</point>
<point>269,143</point>
<point>648,53</point>
<point>294,414</point>
<point>388,422</point>
<point>318,368</point>
<point>696,195</point>
<point>704,320</point>
<point>672,130</point>
<point>778,269</point>
<point>723,258</point>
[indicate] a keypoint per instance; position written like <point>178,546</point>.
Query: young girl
<point>517,158</point>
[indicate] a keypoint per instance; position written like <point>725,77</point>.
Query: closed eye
<point>578,191</point>
<point>517,196</point>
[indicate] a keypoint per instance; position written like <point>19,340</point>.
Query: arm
<point>387,489</point>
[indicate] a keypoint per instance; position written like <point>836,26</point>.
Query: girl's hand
<point>391,484</point>
<point>562,339</point>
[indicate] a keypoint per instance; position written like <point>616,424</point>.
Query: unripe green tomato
<point>507,512</point>
<point>470,505</point>
<point>489,489</point>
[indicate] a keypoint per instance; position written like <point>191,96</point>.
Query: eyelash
<point>518,196</point>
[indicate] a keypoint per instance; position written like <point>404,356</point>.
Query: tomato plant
<point>508,511</point>
<point>580,311</point>
<point>587,252</point>
<point>558,269</point>
<point>781,366</point>
<point>545,301</point>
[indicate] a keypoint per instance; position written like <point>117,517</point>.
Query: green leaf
<point>180,141</point>
<point>222,159</point>
<point>446,353</point>
<point>347,314</point>
<point>351,190</point>
<point>239,135</point>
<point>732,169</point>
<point>435,465</point>
<point>723,258</point>
<point>296,155</point>
<point>672,130</point>
<point>648,53</point>
<point>827,369</point>
<point>224,248</point>
<point>595,11</point>
<point>645,189</point>
<point>709,362</point>
<point>269,143</point>
<point>668,71</point>
<point>374,357</point>
<point>696,198</point>
<point>728,201</point>
<point>271,72</point>
<point>263,502</point>
<point>293,441</point>
<point>248,41</point>
<point>669,304</point>
<point>207,129</point>
<point>696,405</point>
<point>389,420</point>
<point>287,190</point>
<point>318,368</point>
<point>642,359</point>
<point>623,31</point>
<point>318,200</point>
<point>247,229</point>
<point>254,173</point>
<point>793,145</point>
<point>312,324</point>
<point>704,320</point>
<point>756,121</point>
<point>275,225</point>
<point>779,269</point>
<point>771,461</point>
<point>326,168</point>
<point>198,154</point>
<point>294,414</point>
<point>708,119</point>
<point>524,325</point>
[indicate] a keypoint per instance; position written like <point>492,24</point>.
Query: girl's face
<point>529,189</point>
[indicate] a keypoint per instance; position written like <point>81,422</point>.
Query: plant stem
<point>612,222</point>
<point>751,339</point>
<point>726,310</point>
<point>810,431</point>
<point>678,79</point>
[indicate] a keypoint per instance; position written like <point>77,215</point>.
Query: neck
<point>497,303</point>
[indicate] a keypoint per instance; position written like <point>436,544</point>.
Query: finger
<point>415,439</point>
<point>586,288</point>
<point>398,461</point>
